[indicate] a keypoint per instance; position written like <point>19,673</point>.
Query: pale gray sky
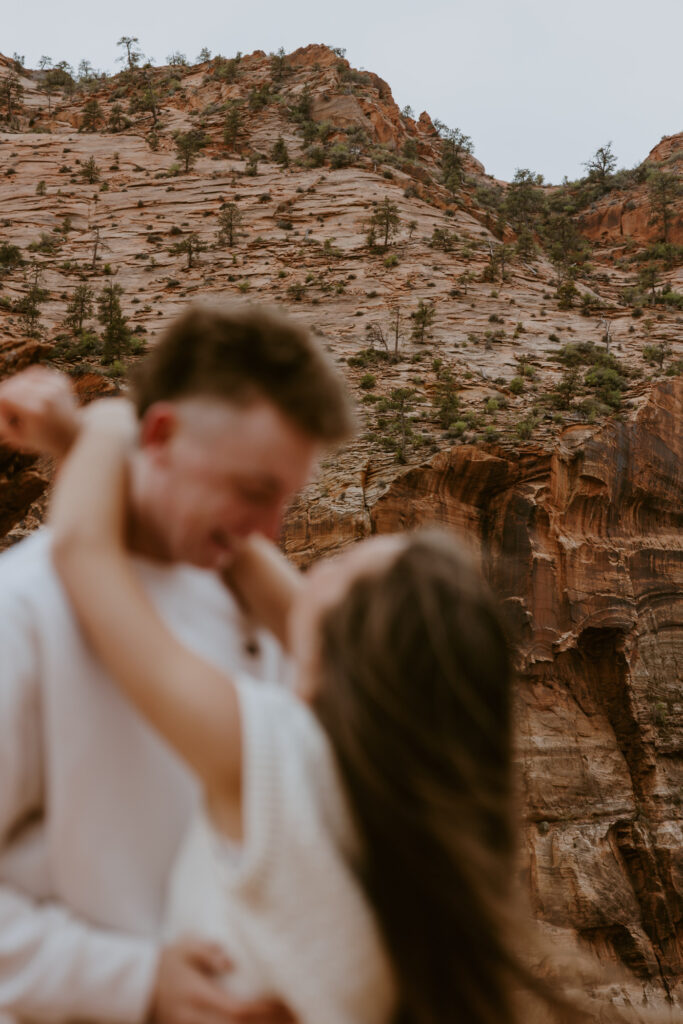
<point>535,83</point>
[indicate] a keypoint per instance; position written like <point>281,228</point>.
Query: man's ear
<point>158,425</point>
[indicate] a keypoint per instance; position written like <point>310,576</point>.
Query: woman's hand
<point>113,419</point>
<point>89,501</point>
<point>266,583</point>
<point>39,412</point>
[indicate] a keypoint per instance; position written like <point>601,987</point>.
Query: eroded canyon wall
<point>583,542</point>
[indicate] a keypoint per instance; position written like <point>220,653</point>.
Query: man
<point>234,409</point>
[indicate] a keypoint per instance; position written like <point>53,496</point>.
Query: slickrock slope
<point>548,429</point>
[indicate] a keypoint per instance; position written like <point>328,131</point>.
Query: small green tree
<point>648,278</point>
<point>340,156</point>
<point>664,188</point>
<point>86,72</point>
<point>79,308</point>
<point>565,245</point>
<point>28,306</point>
<point>10,258</point>
<point>396,325</point>
<point>279,153</point>
<point>90,171</point>
<point>423,318</point>
<point>499,258</point>
<point>524,206</point>
<point>191,246</point>
<point>229,220</point>
<point>227,70</point>
<point>394,420</point>
<point>602,165</point>
<point>116,120</point>
<point>47,84</point>
<point>188,145</point>
<point>657,353</point>
<point>301,110</point>
<point>455,145</point>
<point>567,388</point>
<point>132,55</point>
<point>409,149</point>
<point>92,116</point>
<point>566,293</point>
<point>11,91</point>
<point>278,65</point>
<point>232,126</point>
<point>204,55</point>
<point>116,336</point>
<point>445,398</point>
<point>260,96</point>
<point>147,101</point>
<point>384,222</point>
<point>465,280</point>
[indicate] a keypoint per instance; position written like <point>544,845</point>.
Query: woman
<point>356,852</point>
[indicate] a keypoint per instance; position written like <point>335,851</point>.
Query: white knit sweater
<point>286,904</point>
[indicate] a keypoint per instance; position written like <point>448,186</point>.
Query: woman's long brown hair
<point>415,697</point>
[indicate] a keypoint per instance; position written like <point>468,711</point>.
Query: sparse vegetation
<point>190,246</point>
<point>90,171</point>
<point>28,306</point>
<point>189,145</point>
<point>423,318</point>
<point>79,308</point>
<point>116,337</point>
<point>229,220</point>
<point>279,153</point>
<point>384,223</point>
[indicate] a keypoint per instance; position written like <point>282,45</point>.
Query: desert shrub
<point>260,97</point>
<point>315,156</point>
<point>279,153</point>
<point>90,172</point>
<point>525,428</point>
<point>445,400</point>
<point>340,155</point>
<point>10,257</point>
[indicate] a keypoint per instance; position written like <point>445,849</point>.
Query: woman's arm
<point>191,703</point>
<point>266,583</point>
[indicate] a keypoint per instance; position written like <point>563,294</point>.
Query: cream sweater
<point>93,805</point>
<point>285,904</point>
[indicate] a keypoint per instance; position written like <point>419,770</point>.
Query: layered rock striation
<point>583,542</point>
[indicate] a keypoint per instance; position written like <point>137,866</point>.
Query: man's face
<point>215,472</point>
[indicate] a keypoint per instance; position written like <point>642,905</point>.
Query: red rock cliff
<point>584,544</point>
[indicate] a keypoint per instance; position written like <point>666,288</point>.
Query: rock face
<point>584,543</point>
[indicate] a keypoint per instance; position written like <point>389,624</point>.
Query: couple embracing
<point>228,791</point>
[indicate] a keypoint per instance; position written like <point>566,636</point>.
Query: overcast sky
<point>535,83</point>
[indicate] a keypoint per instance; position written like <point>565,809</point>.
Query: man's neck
<point>143,539</point>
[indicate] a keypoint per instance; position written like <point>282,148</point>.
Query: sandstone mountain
<point>516,354</point>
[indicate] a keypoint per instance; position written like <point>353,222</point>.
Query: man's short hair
<point>241,355</point>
